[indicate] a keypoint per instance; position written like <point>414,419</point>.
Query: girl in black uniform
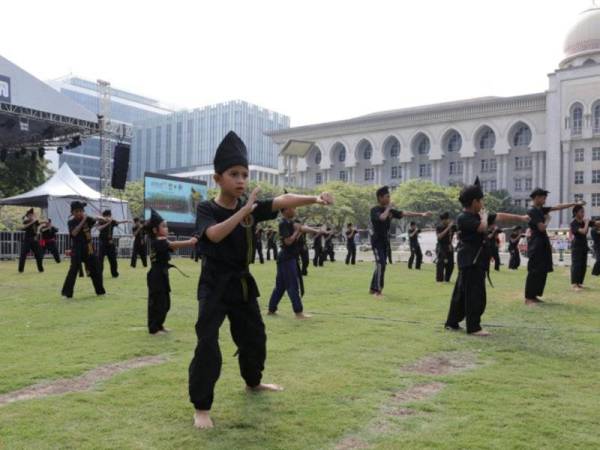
<point>350,244</point>
<point>225,227</point>
<point>139,243</point>
<point>579,246</point>
<point>513,248</point>
<point>159,288</point>
<point>30,241</point>
<point>106,245</point>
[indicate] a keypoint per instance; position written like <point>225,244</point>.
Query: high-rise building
<point>125,108</point>
<point>184,142</point>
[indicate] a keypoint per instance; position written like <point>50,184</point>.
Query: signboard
<point>4,89</point>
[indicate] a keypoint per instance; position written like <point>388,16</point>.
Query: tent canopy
<point>63,183</point>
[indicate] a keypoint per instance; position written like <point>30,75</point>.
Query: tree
<point>22,174</point>
<point>501,201</point>
<point>133,194</point>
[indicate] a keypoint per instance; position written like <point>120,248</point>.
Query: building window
<point>425,170</point>
<point>518,202</point>
<point>369,174</point>
<point>395,149</point>
<point>342,155</point>
<point>343,175</point>
<point>518,185</point>
<point>579,177</point>
<point>368,152</point>
<point>493,185</point>
<point>576,119</point>
<point>318,157</point>
<point>487,141</point>
<point>522,137</point>
<point>578,197</point>
<point>579,155</point>
<point>528,184</point>
<point>595,199</point>
<point>523,162</point>
<point>423,146</point>
<point>319,178</point>
<point>454,142</point>
<point>456,167</point>
<point>484,165</point>
<point>596,118</point>
<point>595,176</point>
<point>396,172</point>
<point>596,154</point>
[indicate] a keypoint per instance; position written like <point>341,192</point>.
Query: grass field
<point>349,372</point>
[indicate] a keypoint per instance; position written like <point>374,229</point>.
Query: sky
<point>313,60</point>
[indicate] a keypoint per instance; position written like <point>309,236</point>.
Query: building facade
<point>125,108</point>
<point>184,142</point>
<point>549,139</point>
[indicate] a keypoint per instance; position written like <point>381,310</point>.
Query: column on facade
<point>534,169</point>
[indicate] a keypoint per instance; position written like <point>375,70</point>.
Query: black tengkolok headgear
<point>470,193</point>
<point>231,152</point>
<point>77,205</point>
<point>384,190</point>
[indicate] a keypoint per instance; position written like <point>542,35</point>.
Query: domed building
<point>549,139</point>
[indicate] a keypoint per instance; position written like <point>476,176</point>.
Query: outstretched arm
<point>182,244</point>
<point>296,200</point>
<point>507,217</point>
<point>219,231</point>
<point>416,214</point>
<point>565,206</point>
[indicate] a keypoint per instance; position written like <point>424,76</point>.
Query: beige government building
<point>549,139</point>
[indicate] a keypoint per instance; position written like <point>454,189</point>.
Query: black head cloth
<point>231,152</point>
<point>77,205</point>
<point>384,190</point>
<point>470,193</point>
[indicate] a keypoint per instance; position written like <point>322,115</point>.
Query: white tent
<point>56,194</point>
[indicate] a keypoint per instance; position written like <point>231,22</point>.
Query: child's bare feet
<point>202,420</point>
<point>271,313</point>
<point>265,387</point>
<point>532,302</point>
<point>378,295</point>
<point>481,333</point>
<point>303,316</point>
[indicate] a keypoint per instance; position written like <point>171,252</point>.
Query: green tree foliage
<point>133,194</point>
<point>21,175</point>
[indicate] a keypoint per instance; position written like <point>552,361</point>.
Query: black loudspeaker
<point>120,166</point>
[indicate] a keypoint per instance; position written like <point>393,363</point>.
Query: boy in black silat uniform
<point>351,244</point>
<point>304,255</point>
<point>159,288</point>
<point>416,255</point>
<point>82,250</point>
<point>139,243</point>
<point>579,246</point>
<point>225,227</point>
<point>30,241</point>
<point>271,244</point>
<point>258,245</point>
<point>48,242</point>
<point>513,247</point>
<point>106,245</point>
<point>329,247</point>
<point>445,252</point>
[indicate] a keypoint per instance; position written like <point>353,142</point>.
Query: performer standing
<point>381,219</point>
<point>159,288</point>
<point>513,248</point>
<point>350,244</point>
<point>304,254</point>
<point>82,250</point>
<point>225,227</point>
<point>494,242</point>
<point>389,249</point>
<point>579,246</point>
<point>445,252</point>
<point>329,247</point>
<point>107,246</point>
<point>271,244</point>
<point>416,255</point>
<point>48,242</point>
<point>288,276</point>
<point>469,295</point>
<point>539,250</point>
<point>318,247</point>
<point>30,241</point>
<point>595,234</point>
<point>258,245</point>
<point>139,243</point>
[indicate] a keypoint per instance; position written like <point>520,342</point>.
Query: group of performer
<point>228,238</point>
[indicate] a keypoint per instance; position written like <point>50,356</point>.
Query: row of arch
<point>577,114</point>
<point>519,136</point>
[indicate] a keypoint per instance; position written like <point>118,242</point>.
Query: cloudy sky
<point>314,60</point>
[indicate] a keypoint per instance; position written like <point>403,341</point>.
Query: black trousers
<point>535,283</point>
<point>515,260</point>
<point>50,247</point>
<point>159,299</point>
<point>578,265</point>
<point>444,266</point>
<point>108,250</point>
<point>247,330</point>
<point>271,246</point>
<point>389,252</point>
<point>304,261</point>
<point>259,252</point>
<point>330,252</point>
<point>495,254</point>
<point>319,257</point>
<point>596,268</point>
<point>416,256</point>
<point>378,279</point>
<point>351,255</point>
<point>139,250</point>
<point>468,299</point>
<point>33,246</point>
<point>91,266</point>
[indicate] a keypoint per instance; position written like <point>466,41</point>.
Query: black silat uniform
<point>351,246</point>
<point>159,288</point>
<point>469,295</point>
<point>445,254</point>
<point>30,243</point>
<point>49,242</point>
<point>416,255</point>
<point>596,239</point>
<point>139,246</point>
<point>579,252</point>
<point>271,245</point>
<point>258,245</point>
<point>304,254</point>
<point>329,248</point>
<point>493,238</point>
<point>227,289</point>
<point>107,248</point>
<point>379,242</point>
<point>513,249</point>
<point>82,251</point>
<point>319,249</point>
<point>539,252</point>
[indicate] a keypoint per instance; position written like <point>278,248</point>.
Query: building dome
<point>582,44</point>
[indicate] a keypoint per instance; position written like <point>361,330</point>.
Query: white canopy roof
<point>63,183</point>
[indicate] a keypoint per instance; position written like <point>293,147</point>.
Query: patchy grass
<point>354,373</point>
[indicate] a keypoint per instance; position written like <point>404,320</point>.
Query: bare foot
<point>481,333</point>
<point>159,333</point>
<point>378,295</point>
<point>303,316</point>
<point>532,302</point>
<point>271,313</point>
<point>265,387</point>
<point>202,420</point>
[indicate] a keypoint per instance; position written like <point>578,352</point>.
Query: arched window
<point>576,119</point>
<point>454,142</point>
<point>522,136</point>
<point>318,157</point>
<point>395,149</point>
<point>487,140</point>
<point>596,114</point>
<point>423,146</point>
<point>342,154</point>
<point>367,152</point>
